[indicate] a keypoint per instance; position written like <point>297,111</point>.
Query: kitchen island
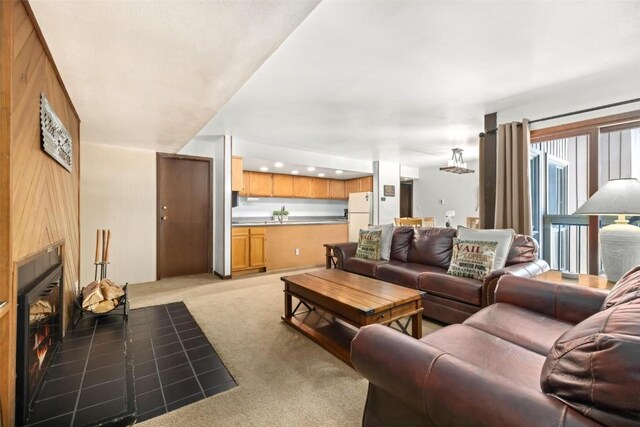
<point>260,244</point>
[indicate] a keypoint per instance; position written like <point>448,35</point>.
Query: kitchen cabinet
<point>366,183</point>
<point>248,248</point>
<point>282,185</point>
<point>236,174</point>
<point>352,186</point>
<point>260,184</point>
<point>302,187</point>
<point>320,188</point>
<point>336,189</point>
<point>246,180</point>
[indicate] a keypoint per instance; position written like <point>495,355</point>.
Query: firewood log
<point>110,290</point>
<point>91,295</point>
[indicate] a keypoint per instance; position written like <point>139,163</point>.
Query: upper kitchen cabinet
<point>282,185</point>
<point>366,183</point>
<point>260,184</point>
<point>352,186</point>
<point>246,181</point>
<point>359,185</point>
<point>236,174</point>
<point>302,187</point>
<point>320,188</point>
<point>337,189</point>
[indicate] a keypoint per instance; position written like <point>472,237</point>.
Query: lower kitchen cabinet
<point>248,248</point>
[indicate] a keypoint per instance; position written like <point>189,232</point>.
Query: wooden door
<point>282,185</point>
<point>257,247</point>
<point>336,189</point>
<point>239,248</point>
<point>236,174</point>
<point>352,186</point>
<point>320,188</point>
<point>184,215</point>
<point>406,199</point>
<point>366,183</point>
<point>302,187</point>
<point>260,184</point>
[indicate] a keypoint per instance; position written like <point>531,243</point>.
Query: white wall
<point>459,193</point>
<point>218,148</point>
<point>264,206</point>
<point>118,192</point>
<point>385,173</point>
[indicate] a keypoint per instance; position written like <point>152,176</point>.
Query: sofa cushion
<point>472,258</point>
<point>491,354</point>
<point>432,246</point>
<point>366,267</point>
<point>369,244</point>
<point>400,243</point>
<point>627,289</point>
<point>503,237</point>
<point>523,249</point>
<point>595,366</point>
<point>457,288</point>
<point>385,241</point>
<point>520,326</point>
<point>404,273</point>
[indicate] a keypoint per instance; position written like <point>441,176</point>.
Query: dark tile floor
<point>174,363</point>
<point>161,349</point>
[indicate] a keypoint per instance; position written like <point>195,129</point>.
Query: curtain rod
<point>573,113</point>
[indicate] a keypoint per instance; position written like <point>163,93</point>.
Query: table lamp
<point>620,242</point>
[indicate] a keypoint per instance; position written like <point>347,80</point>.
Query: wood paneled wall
<point>43,196</point>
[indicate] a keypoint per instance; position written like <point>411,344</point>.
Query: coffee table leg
<point>416,325</point>
<point>287,304</point>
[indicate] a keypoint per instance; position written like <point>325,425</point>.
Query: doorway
<point>184,215</point>
<point>406,199</point>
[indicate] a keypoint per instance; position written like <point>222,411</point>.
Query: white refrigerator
<point>360,213</point>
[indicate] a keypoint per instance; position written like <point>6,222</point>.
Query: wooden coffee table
<point>331,299</point>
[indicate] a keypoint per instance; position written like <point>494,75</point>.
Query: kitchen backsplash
<point>264,206</point>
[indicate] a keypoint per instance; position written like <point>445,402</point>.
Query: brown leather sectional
<point>545,354</point>
<point>420,258</point>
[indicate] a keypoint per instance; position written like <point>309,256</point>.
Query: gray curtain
<point>513,188</point>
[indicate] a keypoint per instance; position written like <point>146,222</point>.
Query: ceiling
<point>150,74</point>
<point>258,165</point>
<point>408,80</point>
<point>394,80</point>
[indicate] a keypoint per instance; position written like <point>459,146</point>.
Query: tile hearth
<point>98,376</point>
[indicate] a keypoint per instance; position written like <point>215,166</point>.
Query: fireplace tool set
<point>101,296</point>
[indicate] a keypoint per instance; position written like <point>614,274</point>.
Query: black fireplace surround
<point>39,326</point>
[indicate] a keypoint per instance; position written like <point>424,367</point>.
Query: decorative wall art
<point>389,190</point>
<point>56,140</point>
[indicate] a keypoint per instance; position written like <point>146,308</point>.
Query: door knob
<point>164,218</point>
<point>164,208</point>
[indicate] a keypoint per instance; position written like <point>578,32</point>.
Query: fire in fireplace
<point>39,328</point>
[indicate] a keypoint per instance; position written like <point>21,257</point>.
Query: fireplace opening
<point>40,296</point>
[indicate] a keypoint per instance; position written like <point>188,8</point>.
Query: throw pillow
<point>472,258</point>
<point>503,237</point>
<point>625,290</point>
<point>369,244</point>
<point>385,243</point>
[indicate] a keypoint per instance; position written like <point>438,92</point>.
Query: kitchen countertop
<point>300,220</point>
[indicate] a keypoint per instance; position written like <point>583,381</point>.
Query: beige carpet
<point>283,378</point>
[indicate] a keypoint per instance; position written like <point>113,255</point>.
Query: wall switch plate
<point>383,199</point>
<point>297,251</point>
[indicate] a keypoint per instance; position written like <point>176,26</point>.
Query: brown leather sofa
<point>544,354</point>
<point>420,258</point>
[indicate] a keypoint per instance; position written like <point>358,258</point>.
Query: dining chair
<point>428,221</point>
<point>473,222</point>
<point>414,222</point>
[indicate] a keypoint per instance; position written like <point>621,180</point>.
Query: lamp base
<point>620,245</point>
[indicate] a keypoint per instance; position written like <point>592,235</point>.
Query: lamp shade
<point>616,197</point>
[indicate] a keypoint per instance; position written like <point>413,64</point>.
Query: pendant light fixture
<point>456,164</point>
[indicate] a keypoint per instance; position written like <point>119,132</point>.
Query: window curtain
<point>513,189</point>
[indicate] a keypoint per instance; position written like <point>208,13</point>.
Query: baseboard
<point>221,276</point>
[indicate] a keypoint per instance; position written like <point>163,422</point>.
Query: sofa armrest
<point>394,362</point>
<point>343,251</point>
<point>458,393</point>
<point>567,302</point>
<point>523,269</point>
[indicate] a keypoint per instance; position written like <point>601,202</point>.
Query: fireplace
<point>39,332</point>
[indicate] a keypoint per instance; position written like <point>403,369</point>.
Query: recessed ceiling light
<point>338,171</point>
<point>321,175</point>
<point>278,164</point>
<point>294,172</point>
<point>264,168</point>
<point>311,168</point>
